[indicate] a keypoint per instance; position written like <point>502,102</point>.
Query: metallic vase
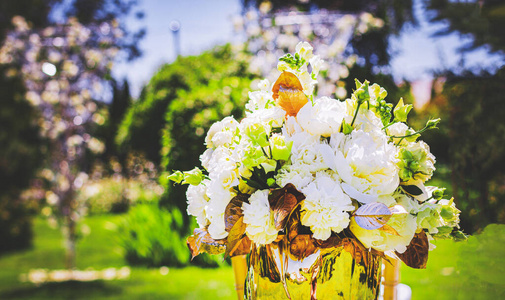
<point>333,273</point>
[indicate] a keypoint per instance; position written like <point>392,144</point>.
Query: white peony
<point>306,152</point>
<point>325,208</point>
<point>405,225</point>
<point>197,202</point>
<point>221,133</point>
<point>297,175</point>
<point>323,118</point>
<point>219,197</point>
<point>222,167</point>
<point>366,162</point>
<point>257,215</point>
<point>206,157</point>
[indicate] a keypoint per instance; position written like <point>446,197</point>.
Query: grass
<point>469,270</point>
<point>99,251</point>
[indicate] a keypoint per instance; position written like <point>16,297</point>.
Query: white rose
<point>219,197</point>
<point>306,152</point>
<point>325,208</point>
<point>297,175</point>
<point>227,124</point>
<point>323,118</point>
<point>223,168</point>
<point>257,215</point>
<point>206,157</point>
<point>197,202</point>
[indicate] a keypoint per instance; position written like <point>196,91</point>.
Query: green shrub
<point>115,195</point>
<point>149,235</point>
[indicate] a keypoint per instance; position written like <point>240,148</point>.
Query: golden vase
<point>332,273</point>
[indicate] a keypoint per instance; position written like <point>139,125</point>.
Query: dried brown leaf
<point>283,210</point>
<point>302,246</point>
<point>416,255</point>
<point>243,247</point>
<point>288,93</point>
<point>235,236</point>
<point>331,242</point>
<point>234,211</point>
<point>282,202</point>
<point>201,241</point>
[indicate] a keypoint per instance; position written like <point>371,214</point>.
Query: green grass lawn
<point>470,270</point>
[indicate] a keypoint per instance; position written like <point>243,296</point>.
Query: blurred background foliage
<point>164,128</point>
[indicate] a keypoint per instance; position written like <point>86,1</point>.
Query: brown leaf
<point>234,211</point>
<point>235,236</point>
<point>288,92</point>
<point>283,209</point>
<point>201,241</point>
<point>302,246</point>
<point>388,229</point>
<point>282,202</point>
<point>331,242</point>
<point>416,255</point>
<point>243,247</point>
<point>293,224</point>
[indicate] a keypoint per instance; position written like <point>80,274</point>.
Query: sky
<point>205,24</point>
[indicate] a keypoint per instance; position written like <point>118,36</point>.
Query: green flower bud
<point>253,158</point>
<point>438,193</point>
<point>280,150</point>
<point>432,124</point>
<point>269,166</point>
<point>401,111</point>
<point>176,176</point>
<point>346,128</point>
<point>258,134</point>
<point>193,177</point>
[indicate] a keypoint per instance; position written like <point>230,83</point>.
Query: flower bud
<point>431,124</point>
<point>193,177</point>
<point>176,176</point>
<point>269,166</point>
<point>401,111</point>
<point>258,134</point>
<point>280,150</point>
<point>438,193</point>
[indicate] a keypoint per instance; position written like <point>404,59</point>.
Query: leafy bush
<point>222,90</point>
<point>115,195</point>
<point>150,236</point>
<point>141,128</point>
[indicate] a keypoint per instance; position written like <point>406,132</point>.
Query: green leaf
<point>412,190</point>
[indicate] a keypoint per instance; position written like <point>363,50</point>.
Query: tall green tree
<point>472,102</point>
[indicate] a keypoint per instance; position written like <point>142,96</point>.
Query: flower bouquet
<point>313,186</point>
